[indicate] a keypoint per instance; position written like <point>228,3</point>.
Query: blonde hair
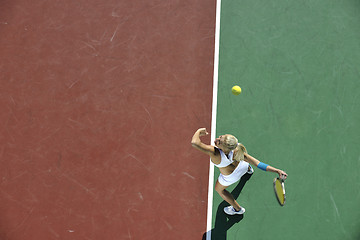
<point>239,152</point>
<point>232,143</point>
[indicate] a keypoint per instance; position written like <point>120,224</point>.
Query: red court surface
<point>99,101</point>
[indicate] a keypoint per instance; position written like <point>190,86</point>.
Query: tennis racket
<point>279,188</point>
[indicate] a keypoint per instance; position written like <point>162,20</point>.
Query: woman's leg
<point>226,195</point>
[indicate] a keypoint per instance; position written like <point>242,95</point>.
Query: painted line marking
<point>213,119</point>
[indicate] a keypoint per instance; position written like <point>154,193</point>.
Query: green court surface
<point>298,64</point>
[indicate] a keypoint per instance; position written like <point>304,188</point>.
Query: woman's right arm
<point>198,144</point>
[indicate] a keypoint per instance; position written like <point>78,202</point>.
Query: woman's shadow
<point>224,222</point>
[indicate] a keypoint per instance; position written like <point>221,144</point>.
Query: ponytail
<point>239,152</point>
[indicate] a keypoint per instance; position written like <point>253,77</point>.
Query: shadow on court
<point>224,222</point>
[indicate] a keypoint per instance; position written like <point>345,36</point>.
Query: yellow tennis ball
<point>236,90</point>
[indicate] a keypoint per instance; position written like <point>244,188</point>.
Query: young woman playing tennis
<point>233,161</point>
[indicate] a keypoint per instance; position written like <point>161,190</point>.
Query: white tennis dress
<point>240,170</point>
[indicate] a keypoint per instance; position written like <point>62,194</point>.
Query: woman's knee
<point>219,188</point>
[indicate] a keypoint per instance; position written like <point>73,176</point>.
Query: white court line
<point>213,119</point>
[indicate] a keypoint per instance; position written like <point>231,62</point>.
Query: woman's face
<point>218,141</point>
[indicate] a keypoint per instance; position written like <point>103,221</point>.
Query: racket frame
<point>283,188</point>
